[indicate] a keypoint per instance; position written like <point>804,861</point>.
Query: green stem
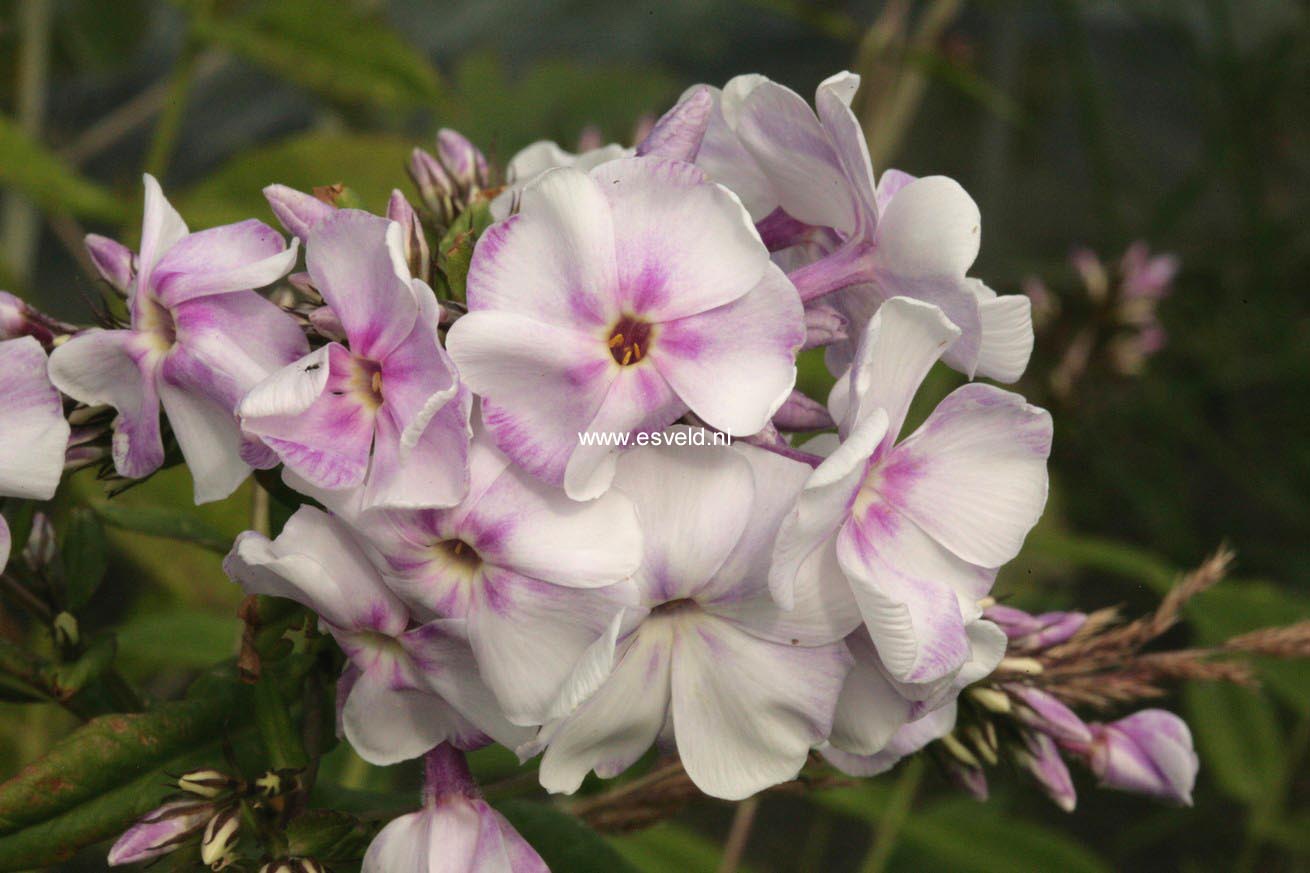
<point>893,817</point>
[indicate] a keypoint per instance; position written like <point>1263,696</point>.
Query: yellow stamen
<point>616,340</point>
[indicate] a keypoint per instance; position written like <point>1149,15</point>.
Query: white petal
<point>735,365</point>
<point>823,505</point>
<point>694,503</point>
<point>906,741</point>
<point>316,561</point>
<point>786,139</point>
<point>902,342</point>
<point>33,432</point>
<point>387,726</point>
<point>291,390</point>
<point>931,227</point>
<point>530,638</point>
<point>161,229</point>
<point>541,385</point>
<point>871,708</point>
<point>210,442</point>
<point>1007,333</point>
<point>747,712</point>
<point>833,104</point>
<point>616,725</point>
<point>554,261</point>
<point>980,481</point>
<point>683,244</point>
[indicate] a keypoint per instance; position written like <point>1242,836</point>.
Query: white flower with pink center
<point>707,660</point>
<point>615,302</point>
<point>917,527</point>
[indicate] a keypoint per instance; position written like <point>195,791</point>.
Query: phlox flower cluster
<point>489,575</point>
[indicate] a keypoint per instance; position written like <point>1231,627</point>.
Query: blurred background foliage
<point>1072,122</point>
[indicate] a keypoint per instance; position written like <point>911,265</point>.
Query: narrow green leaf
<point>168,523</point>
<point>27,166</point>
<point>562,840</point>
<point>85,557</point>
<point>327,47</point>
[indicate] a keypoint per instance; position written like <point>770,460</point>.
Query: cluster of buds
<point>448,181</point>
<point>212,805</point>
<point>1149,752</point>
<point>1121,329</point>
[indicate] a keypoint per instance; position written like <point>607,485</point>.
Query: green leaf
<point>1238,738</point>
<point>562,840</point>
<point>107,752</point>
<point>27,166</point>
<point>327,47</point>
<point>171,524</point>
<point>85,557</point>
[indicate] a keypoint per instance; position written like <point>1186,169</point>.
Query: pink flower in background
<point>199,339</point>
<point>615,302</point>
<point>387,412</point>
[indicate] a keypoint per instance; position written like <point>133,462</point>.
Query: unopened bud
<point>66,629</point>
<point>297,211</point>
<point>293,865</point>
<point>206,783</point>
<point>220,837</point>
<point>1028,666</point>
<point>991,699</point>
<point>981,745</point>
<point>462,160</point>
<point>434,185</point>
<point>960,751</point>
<point>112,260</point>
<point>417,254</point>
<point>41,546</point>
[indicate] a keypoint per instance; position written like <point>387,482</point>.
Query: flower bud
<point>159,832</point>
<point>462,160</point>
<point>1035,631</point>
<point>112,260</point>
<point>297,211</point>
<point>66,630</point>
<point>220,837</point>
<point>1041,711</point>
<point>1041,757</point>
<point>435,188</point>
<point>41,545</point>
<point>417,254</point>
<point>293,865</point>
<point>206,783</point>
<point>1149,752</point>
<point>679,132</point>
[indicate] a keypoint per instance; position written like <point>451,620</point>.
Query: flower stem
<point>893,818</point>
<point>446,771</point>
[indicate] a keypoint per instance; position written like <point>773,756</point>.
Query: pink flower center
<point>629,340</point>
